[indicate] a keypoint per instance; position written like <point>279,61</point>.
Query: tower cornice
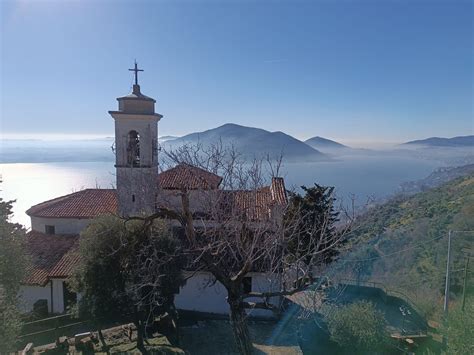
<point>122,114</point>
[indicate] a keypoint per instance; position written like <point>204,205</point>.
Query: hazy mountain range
<point>252,142</point>
<point>461,141</point>
<point>166,138</point>
<point>324,143</point>
<point>256,142</point>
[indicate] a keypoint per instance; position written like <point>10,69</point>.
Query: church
<point>140,188</point>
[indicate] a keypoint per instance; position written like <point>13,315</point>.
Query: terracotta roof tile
<point>86,203</point>
<point>278,191</point>
<point>257,204</point>
<point>66,265</point>
<point>189,177</point>
<point>48,254</point>
<point>90,203</point>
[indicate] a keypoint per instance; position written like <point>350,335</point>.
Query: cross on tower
<point>136,70</point>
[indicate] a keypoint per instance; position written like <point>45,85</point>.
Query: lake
<point>374,175</point>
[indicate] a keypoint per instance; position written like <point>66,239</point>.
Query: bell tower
<point>136,151</point>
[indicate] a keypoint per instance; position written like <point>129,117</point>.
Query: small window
<point>133,198</point>
<point>49,229</point>
<point>247,284</point>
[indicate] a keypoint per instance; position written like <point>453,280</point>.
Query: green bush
<point>459,329</point>
<point>358,326</point>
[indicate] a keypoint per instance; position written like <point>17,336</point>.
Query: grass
<point>119,343</point>
<point>199,338</point>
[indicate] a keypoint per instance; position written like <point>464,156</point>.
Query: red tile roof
<point>278,191</point>
<point>189,177</point>
<point>66,265</point>
<point>51,256</point>
<point>88,203</point>
<point>257,204</point>
<point>54,256</point>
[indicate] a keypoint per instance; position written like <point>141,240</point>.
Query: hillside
<point>462,141</point>
<point>324,143</point>
<point>251,142</point>
<point>436,178</point>
<point>403,243</point>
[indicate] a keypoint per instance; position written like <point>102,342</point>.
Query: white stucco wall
<point>199,200</point>
<point>201,294</point>
<point>29,294</point>
<point>58,299</point>
<point>62,225</point>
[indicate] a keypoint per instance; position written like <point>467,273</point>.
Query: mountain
<point>462,141</point>
<point>251,142</point>
<point>166,138</point>
<point>324,143</point>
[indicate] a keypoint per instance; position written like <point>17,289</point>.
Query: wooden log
<point>28,349</point>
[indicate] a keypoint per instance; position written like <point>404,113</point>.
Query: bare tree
<point>245,226</point>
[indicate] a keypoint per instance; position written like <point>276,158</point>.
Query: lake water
<point>377,175</point>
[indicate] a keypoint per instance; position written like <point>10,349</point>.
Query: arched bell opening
<point>133,149</point>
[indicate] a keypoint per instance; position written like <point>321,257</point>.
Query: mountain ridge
<point>318,142</point>
<point>251,141</point>
<point>459,141</point>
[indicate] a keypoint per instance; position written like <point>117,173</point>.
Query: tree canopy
<point>312,217</point>
<point>128,269</point>
<point>13,264</point>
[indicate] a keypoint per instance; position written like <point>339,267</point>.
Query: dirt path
<point>215,337</point>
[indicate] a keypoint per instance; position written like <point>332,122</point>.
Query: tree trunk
<point>174,317</point>
<point>102,341</point>
<point>239,326</point>
<point>140,332</point>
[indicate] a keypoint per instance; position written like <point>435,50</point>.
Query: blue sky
<point>385,70</point>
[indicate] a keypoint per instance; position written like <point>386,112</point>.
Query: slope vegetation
<point>403,243</point>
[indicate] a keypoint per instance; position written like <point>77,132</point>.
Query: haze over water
<point>376,175</point>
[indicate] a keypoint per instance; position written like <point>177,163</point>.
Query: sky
<point>354,71</point>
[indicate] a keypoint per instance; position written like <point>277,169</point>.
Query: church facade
<point>56,224</point>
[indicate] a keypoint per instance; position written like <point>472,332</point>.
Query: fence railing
<point>389,292</point>
<point>52,325</point>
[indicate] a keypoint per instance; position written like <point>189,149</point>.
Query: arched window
<point>133,149</point>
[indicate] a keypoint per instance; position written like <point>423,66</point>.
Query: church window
<point>133,198</point>
<point>133,149</point>
<point>49,229</point>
